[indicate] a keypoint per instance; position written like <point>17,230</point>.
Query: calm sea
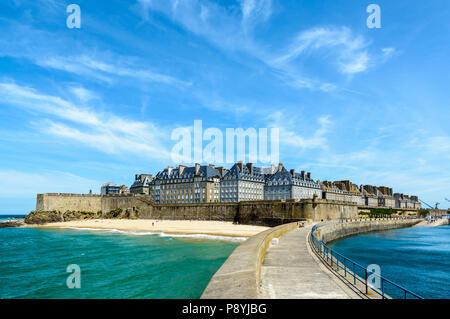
<point>33,264</point>
<point>416,258</point>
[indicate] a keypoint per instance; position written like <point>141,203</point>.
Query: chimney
<point>250,168</point>
<point>272,169</point>
<point>308,175</point>
<point>239,165</point>
<point>280,167</point>
<point>197,168</point>
<point>169,170</point>
<point>181,169</point>
<point>136,177</point>
<point>302,174</point>
<point>292,172</point>
<point>220,170</point>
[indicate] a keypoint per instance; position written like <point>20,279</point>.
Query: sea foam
<point>161,234</point>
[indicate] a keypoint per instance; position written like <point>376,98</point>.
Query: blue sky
<point>80,107</point>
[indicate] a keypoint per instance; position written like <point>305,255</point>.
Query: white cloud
<point>84,95</point>
<point>51,50</point>
<point>388,52</point>
<point>291,138</point>
<point>438,145</point>
<point>203,18</point>
<point>255,11</point>
<point>23,184</point>
<point>105,132</point>
<point>349,51</point>
<point>229,29</point>
<point>358,64</point>
<point>85,65</point>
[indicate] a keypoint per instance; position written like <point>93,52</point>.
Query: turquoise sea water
<point>5,218</point>
<point>416,258</point>
<point>33,264</point>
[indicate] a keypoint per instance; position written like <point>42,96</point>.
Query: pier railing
<point>359,275</point>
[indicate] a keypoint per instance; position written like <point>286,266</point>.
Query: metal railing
<point>356,274</point>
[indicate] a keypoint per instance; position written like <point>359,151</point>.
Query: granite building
<point>285,184</point>
<point>207,183</point>
<point>243,183</point>
<point>182,185</point>
<point>110,188</point>
<point>141,184</point>
<point>351,192</point>
<point>405,201</point>
<point>331,192</point>
<point>385,197</point>
<point>370,194</point>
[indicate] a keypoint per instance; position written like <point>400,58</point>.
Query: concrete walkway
<point>289,270</point>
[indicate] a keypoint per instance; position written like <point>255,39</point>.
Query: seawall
<point>339,266</point>
<point>267,213</point>
<point>240,275</point>
<point>333,230</point>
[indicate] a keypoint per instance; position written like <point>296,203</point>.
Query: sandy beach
<point>213,228</point>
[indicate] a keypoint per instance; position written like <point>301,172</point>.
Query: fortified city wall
<point>270,213</point>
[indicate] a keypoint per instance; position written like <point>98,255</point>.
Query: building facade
<point>385,197</point>
<point>141,184</point>
<point>183,185</point>
<point>242,183</point>
<point>110,188</point>
<point>351,191</point>
<point>207,183</point>
<point>285,184</point>
<point>331,192</point>
<point>406,202</point>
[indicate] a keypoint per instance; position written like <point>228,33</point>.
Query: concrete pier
<point>290,271</point>
<point>280,263</point>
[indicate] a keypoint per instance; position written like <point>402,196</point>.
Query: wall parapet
<point>333,230</point>
<point>350,271</point>
<point>240,275</point>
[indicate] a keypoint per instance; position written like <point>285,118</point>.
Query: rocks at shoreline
<point>11,224</point>
<point>43,217</point>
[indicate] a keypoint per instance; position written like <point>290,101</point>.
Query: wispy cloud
<point>255,11</point>
<point>85,65</point>
<point>19,184</point>
<point>290,137</point>
<point>219,25</point>
<point>49,50</point>
<point>387,53</point>
<point>231,29</point>
<point>103,131</point>
<point>438,145</point>
<point>83,94</point>
<point>348,51</point>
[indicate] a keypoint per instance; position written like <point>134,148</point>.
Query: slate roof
<point>259,173</point>
<point>285,175</point>
<point>138,183</point>
<point>188,172</point>
<point>328,186</point>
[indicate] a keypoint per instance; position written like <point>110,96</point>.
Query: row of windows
<point>286,182</point>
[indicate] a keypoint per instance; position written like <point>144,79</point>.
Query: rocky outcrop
<point>43,217</point>
<point>11,224</point>
<point>122,213</point>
